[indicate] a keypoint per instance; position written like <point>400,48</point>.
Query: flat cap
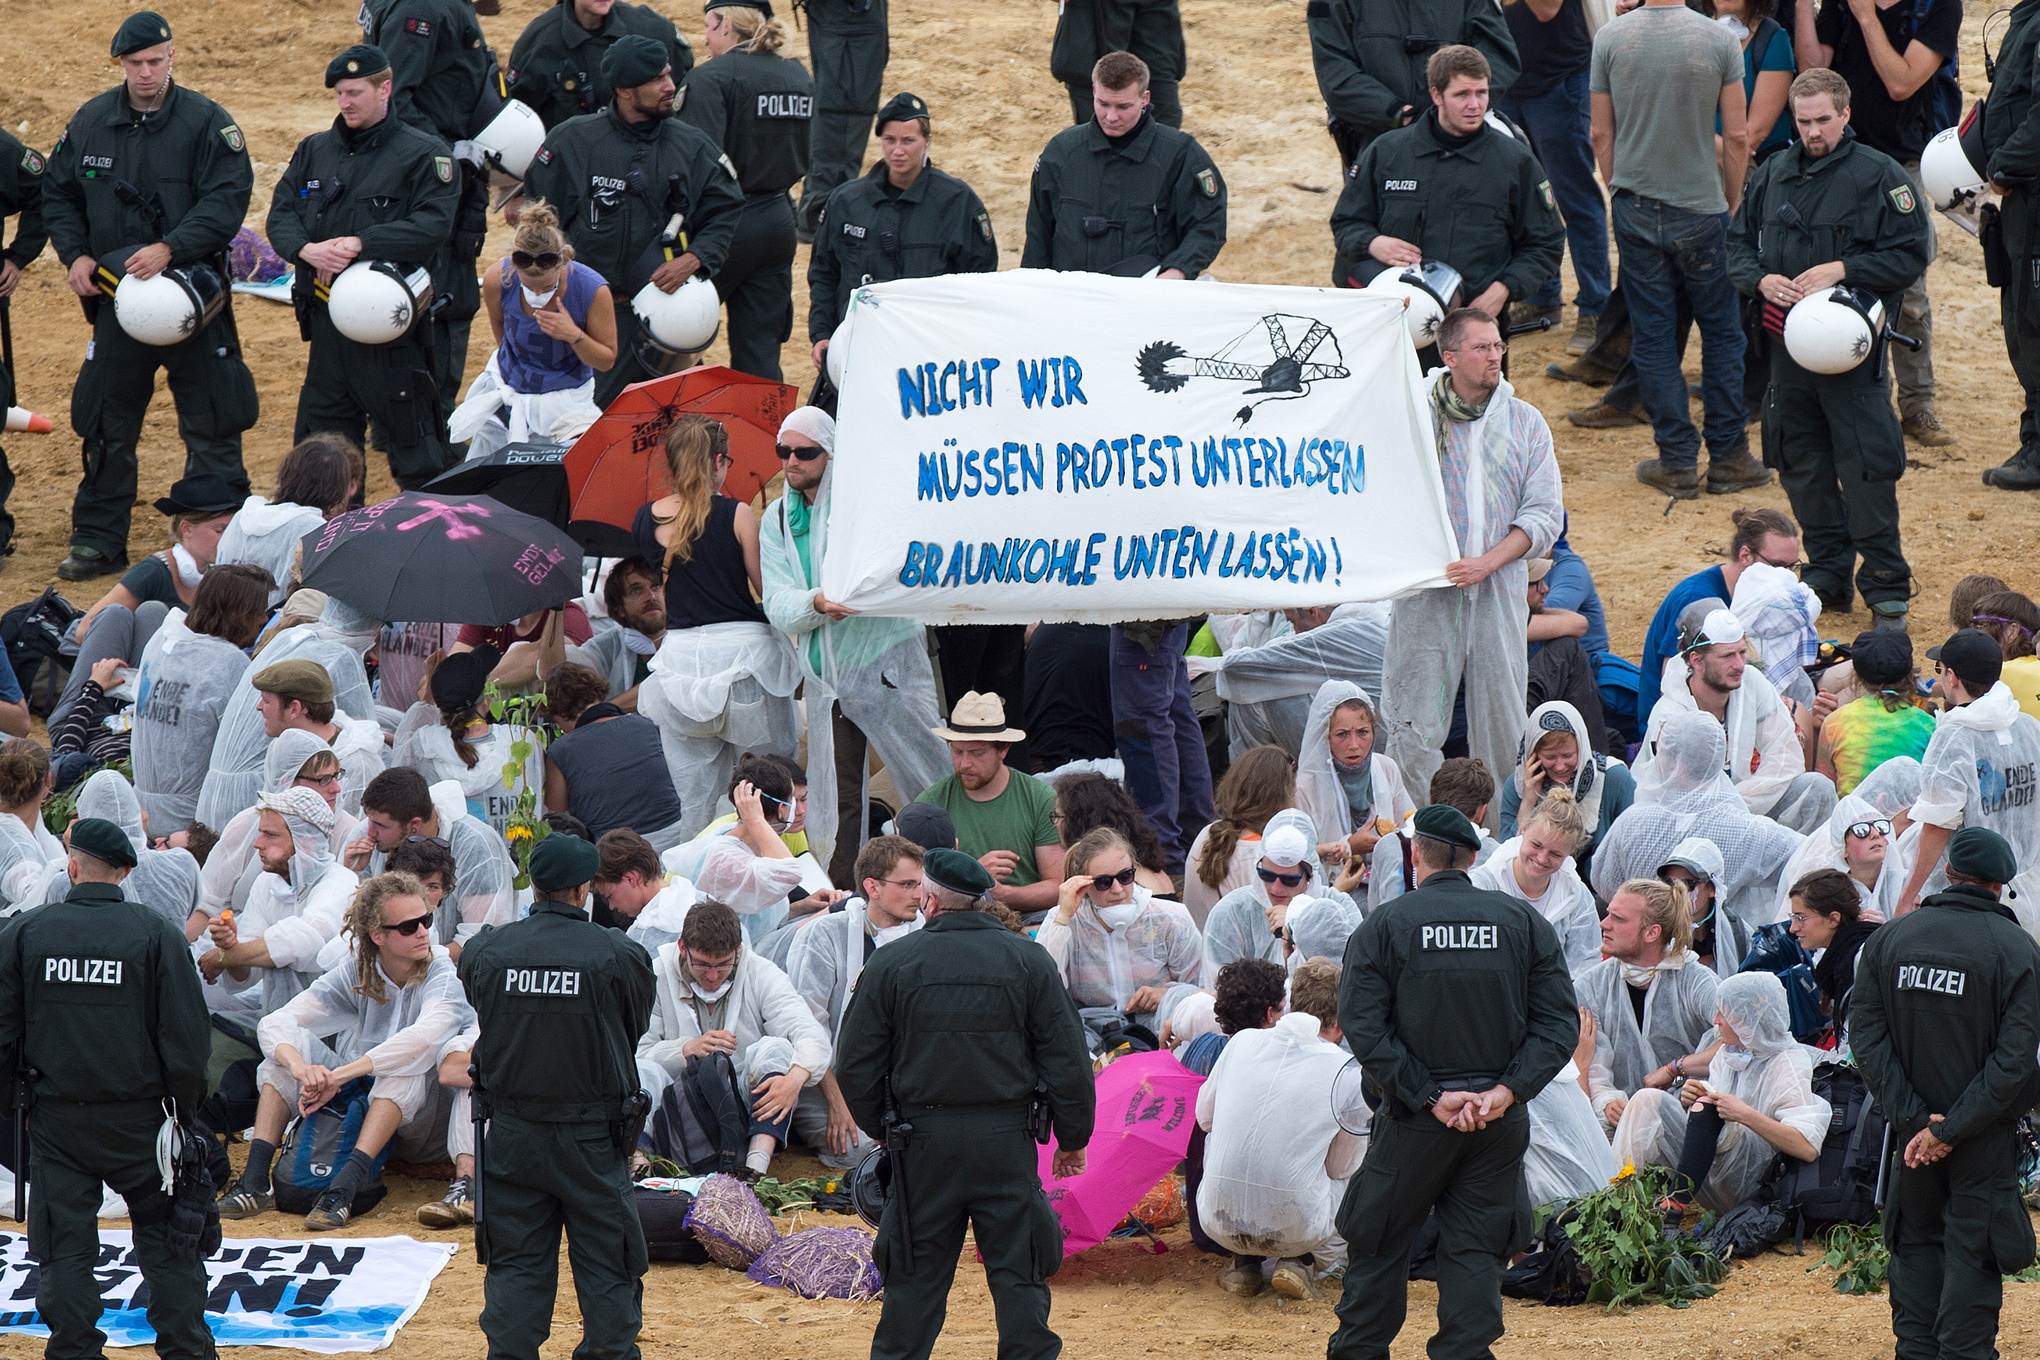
<point>101,839</point>
<point>560,862</point>
<point>634,60</point>
<point>1443,823</point>
<point>299,678</point>
<point>1982,853</point>
<point>902,107</point>
<point>956,871</point>
<point>358,62</point>
<point>143,28</point>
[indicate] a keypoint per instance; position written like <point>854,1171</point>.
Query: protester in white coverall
<point>1647,935</point>
<point>1536,866</point>
<point>296,907</point>
<point>1503,496</point>
<point>166,880</point>
<point>1247,922</point>
<point>1349,788</point>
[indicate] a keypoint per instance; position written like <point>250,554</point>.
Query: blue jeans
<point>1155,724</point>
<point>1559,126</point>
<point>1662,247</point>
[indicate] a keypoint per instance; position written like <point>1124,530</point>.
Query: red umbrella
<point>620,463</point>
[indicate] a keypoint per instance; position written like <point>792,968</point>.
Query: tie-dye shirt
<point>1860,736</point>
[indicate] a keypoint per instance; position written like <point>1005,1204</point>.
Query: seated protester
<point>1560,669</point>
<point>1247,923</point>
<point>827,957</point>
<point>166,880</point>
<point>1562,756</point>
<point>31,859</point>
<point>87,727</point>
<point>316,481</point>
<point>432,865</point>
<point>1085,802</point>
<point>1117,948</point>
<point>1762,535</point>
<point>1253,789</point>
<point>1353,793</point>
<point>456,1208</point>
<point>633,884</point>
<point>1462,784</point>
<point>1568,1157</point>
<point>383,1014</point>
<point>607,766</point>
<point>397,805</point>
<point>185,677</point>
<point>795,832</point>
<point>1066,695</point>
<point>200,508</point>
<point>1719,941</point>
<point>1536,866</point>
<point>294,909</point>
<point>1569,588</point>
<point>1779,614</point>
<point>1005,819</point>
<point>744,864</point>
<point>1281,1140</point>
<point>716,996</point>
<point>1268,687</point>
<point>1886,723</point>
<point>1828,919</point>
<point>466,747</point>
<point>1721,1135</point>
<point>927,826</point>
<point>621,654</point>
<point>1766,763</point>
<point>2011,620</point>
<point>296,759</point>
<point>1651,1000</point>
<point>1862,846</point>
<point>1249,994</point>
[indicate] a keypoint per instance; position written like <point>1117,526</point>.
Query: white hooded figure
<point>233,866</point>
<point>1248,922</point>
<point>166,880</point>
<point>297,906</point>
<point>1779,614</point>
<point>1980,770</point>
<point>1696,863</point>
<point>1568,1157</point>
<point>1524,868</point>
<point>181,689</point>
<point>1677,990</point>
<point>1761,1070</point>
<point>267,535</point>
<point>1862,843</point>
<point>1116,945</point>
<point>1269,687</point>
<point>1328,788</point>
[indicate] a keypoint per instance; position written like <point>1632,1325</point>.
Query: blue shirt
<point>10,688</point>
<point>1572,587</point>
<point>1661,643</point>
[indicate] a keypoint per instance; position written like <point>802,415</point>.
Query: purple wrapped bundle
<point>252,261</point>
<point>821,1263</point>
<point>730,1222</point>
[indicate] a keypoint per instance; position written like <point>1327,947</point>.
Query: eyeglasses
<point>723,460</point>
<point>1863,831</point>
<point>1104,882</point>
<point>808,454</point>
<point>1794,566</point>
<point>440,841</point>
<point>410,927</point>
<point>911,884</point>
<point>320,781</point>
<point>1294,880</point>
<point>1496,349</point>
<point>545,260</point>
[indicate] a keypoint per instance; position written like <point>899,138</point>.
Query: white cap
<point>1720,628</point>
<point>1286,846</point>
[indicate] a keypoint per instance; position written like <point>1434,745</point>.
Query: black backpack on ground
<point>33,634</point>
<point>1552,1274</point>
<point>1842,1185</point>
<point>703,1122</point>
<point>663,1216</point>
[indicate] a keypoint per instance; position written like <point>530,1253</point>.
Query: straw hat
<point>979,717</point>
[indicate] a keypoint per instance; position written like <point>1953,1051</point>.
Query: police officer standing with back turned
<point>371,187</point>
<point>616,179</point>
<point>103,1027</point>
<point>1944,1021</point>
<point>21,172</point>
<point>556,66</point>
<point>849,42</point>
<point>1152,30</point>
<point>148,176</point>
<point>1826,211</point>
<point>950,1035</point>
<point>1458,1006</point>
<point>756,105</point>
<point>561,1002</point>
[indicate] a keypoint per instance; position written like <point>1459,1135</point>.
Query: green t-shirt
<point>1018,820</point>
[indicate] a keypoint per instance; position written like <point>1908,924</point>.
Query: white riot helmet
<point>375,302</point>
<point>1950,173</point>
<point>509,142</point>
<point>1834,330</point>
<point>681,322</point>
<point>171,307</point>
<point>1431,290</point>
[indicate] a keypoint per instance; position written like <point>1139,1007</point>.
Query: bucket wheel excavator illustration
<point>1280,357</point>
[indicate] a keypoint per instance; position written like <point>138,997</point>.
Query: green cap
<point>560,862</point>
<point>358,62</point>
<point>299,678</point>
<point>143,28</point>
<point>634,60</point>
<point>1982,853</point>
<point>1448,824</point>
<point>956,871</point>
<point>901,108</point>
<point>101,839</point>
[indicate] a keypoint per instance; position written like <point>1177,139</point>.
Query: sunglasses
<point>410,927</point>
<point>442,842</point>
<point>545,260</point>
<point>1863,831</point>
<point>1104,882</point>
<point>1294,880</point>
<point>806,455</point>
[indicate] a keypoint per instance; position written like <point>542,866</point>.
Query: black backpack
<point>1552,1274</point>
<point>703,1122</point>
<point>33,634</point>
<point>1845,1183</point>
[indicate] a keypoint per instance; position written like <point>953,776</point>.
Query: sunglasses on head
<point>546,260</point>
<point>806,455</point>
<point>442,842</point>
<point>1104,882</point>
<point>410,927</point>
<point>1294,880</point>
<point>1863,831</point>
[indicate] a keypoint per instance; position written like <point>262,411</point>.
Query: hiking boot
<point>1889,616</point>
<point>242,1202</point>
<point>1736,472</point>
<point>1842,601</point>
<point>1925,429</point>
<point>1529,314</point>
<point>332,1210</point>
<point>1580,371</point>
<point>1292,1279</point>
<point>2020,472</point>
<point>85,563</point>
<point>1602,416</point>
<point>1586,329</point>
<point>1241,1281</point>
<point>1680,483</point>
<point>456,1210</point>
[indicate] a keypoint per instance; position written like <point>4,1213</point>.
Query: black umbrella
<point>443,559</point>
<point>532,478</point>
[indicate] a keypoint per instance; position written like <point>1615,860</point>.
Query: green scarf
<point>799,517</point>
<point>1451,406</point>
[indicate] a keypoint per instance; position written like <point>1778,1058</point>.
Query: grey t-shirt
<point>1664,66</point>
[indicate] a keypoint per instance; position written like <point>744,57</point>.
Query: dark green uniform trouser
<point>977,1168</point>
<point>1475,1183</point>
<point>542,1178</point>
<point>450,343</point>
<point>349,385</point>
<point>756,285</point>
<point>1167,103</point>
<point>628,368</point>
<point>215,398</point>
<point>72,1149</point>
<point>2019,306</point>
<point>848,50</point>
<point>1955,1228</point>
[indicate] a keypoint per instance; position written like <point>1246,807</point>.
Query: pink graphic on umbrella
<point>1147,1103</point>
<point>456,527</point>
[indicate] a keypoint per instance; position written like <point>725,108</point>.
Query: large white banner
<point>1033,445</point>
<point>330,1295</point>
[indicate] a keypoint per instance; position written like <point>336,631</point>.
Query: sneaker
<point>1580,371</point>
<point>1241,1281</point>
<point>1736,472</point>
<point>1602,416</point>
<point>1925,429</point>
<point>455,1210</point>
<point>1680,483</point>
<point>1586,329</point>
<point>242,1202</point>
<point>2020,472</point>
<point>85,563</point>
<point>332,1210</point>
<point>1292,1279</point>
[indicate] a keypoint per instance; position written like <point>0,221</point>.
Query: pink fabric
<point>1147,1105</point>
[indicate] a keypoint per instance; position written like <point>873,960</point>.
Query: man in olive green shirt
<point>1004,818</point>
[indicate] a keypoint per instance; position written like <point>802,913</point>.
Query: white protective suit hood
<point>165,880</point>
<point>1269,686</point>
<point>311,826</point>
<point>1318,791</point>
<point>266,534</point>
<point>1778,613</point>
<point>1237,927</point>
<point>1588,780</point>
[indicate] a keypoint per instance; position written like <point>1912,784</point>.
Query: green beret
<point>102,840</point>
<point>143,28</point>
<point>1981,853</point>
<point>560,862</point>
<point>634,60</point>
<point>358,62</point>
<point>902,108</point>
<point>299,678</point>
<point>1448,824</point>
<point>956,871</point>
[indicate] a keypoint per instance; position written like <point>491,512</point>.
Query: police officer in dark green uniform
<point>556,66</point>
<point>1831,210</point>
<point>953,1030</point>
<point>756,105</point>
<point>1458,1007</point>
<point>1944,1021</point>
<point>371,187</point>
<point>849,42</point>
<point>2011,142</point>
<point>1371,58</point>
<point>147,176</point>
<point>21,172</point>
<point>562,1003</point>
<point>1123,194</point>
<point>617,177</point>
<point>1152,30</point>
<point>1451,187</point>
<point>103,1018</point>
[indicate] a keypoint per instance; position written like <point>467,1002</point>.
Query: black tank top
<point>714,587</point>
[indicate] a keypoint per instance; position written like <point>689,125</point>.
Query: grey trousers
<point>1436,638</point>
<point>1915,371</point>
<point>117,632</point>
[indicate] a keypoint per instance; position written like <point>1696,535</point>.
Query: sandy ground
<point>982,66</point>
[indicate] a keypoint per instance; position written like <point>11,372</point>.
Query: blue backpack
<point>1773,949</point>
<point>317,1145</point>
<point>1617,677</point>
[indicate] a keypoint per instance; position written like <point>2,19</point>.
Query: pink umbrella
<point>1147,1104</point>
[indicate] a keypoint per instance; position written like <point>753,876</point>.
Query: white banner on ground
<point>333,1295</point>
<point>1033,445</point>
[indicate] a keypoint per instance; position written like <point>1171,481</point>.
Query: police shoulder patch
<point>31,160</point>
<point>984,221</point>
<point>544,156</point>
<point>443,167</point>
<point>421,27</point>
<point>231,135</point>
<point>1902,198</point>
<point>1207,183</point>
<point>724,161</point>
<point>1544,188</point>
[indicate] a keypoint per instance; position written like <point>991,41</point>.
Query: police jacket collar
<point>553,908</point>
<point>572,35</point>
<point>646,131</point>
<point>122,113</point>
<point>1135,150</point>
<point>95,892</point>
<point>1813,165</point>
<point>1446,876</point>
<point>1433,140</point>
<point>1967,897</point>
<point>913,193</point>
<point>965,920</point>
<point>365,139</point>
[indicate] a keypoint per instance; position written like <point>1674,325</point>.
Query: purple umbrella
<point>443,559</point>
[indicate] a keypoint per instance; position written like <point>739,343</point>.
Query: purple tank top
<point>529,359</point>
